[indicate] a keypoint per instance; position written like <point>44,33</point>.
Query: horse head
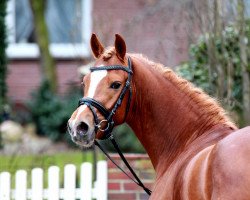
<point>107,94</point>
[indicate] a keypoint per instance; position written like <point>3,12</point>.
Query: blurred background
<point>44,52</point>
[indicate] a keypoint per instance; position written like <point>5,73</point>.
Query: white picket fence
<point>54,192</point>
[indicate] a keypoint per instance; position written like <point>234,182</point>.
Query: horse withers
<point>196,150</point>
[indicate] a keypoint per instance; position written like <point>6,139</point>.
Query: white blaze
<point>95,79</point>
<point>80,110</point>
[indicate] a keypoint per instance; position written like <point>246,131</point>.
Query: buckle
<point>99,126</point>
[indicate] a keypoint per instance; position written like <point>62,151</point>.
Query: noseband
<point>108,115</point>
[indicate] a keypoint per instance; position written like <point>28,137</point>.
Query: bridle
<point>108,117</point>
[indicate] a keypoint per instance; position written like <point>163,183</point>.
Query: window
<point>69,27</point>
<point>231,9</point>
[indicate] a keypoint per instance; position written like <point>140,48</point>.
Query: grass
<point>28,162</point>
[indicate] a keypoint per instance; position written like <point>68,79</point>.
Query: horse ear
<point>96,46</point>
<point>120,46</point>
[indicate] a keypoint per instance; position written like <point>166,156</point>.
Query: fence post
<point>101,188</point>
<point>53,183</point>
<point>86,181</point>
<point>37,184</point>
<point>5,186</point>
<point>21,185</point>
<point>69,182</point>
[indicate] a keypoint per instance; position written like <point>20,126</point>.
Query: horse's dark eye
<point>115,85</point>
<point>82,84</point>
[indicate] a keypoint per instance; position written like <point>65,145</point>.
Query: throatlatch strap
<point>137,180</point>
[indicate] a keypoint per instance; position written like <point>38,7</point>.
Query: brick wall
<point>24,77</point>
<point>156,28</point>
<point>121,187</point>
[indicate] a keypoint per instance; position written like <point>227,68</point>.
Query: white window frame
<point>65,51</point>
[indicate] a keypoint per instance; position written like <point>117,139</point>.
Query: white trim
<point>29,50</point>
<point>25,50</point>
<point>10,21</point>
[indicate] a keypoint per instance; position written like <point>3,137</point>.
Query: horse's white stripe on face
<point>80,110</point>
<point>95,78</point>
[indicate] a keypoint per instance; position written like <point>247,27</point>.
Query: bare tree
<point>46,60</point>
<point>244,62</point>
<point>212,17</point>
<point>3,58</point>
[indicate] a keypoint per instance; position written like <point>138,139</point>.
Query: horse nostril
<point>74,138</point>
<point>82,129</point>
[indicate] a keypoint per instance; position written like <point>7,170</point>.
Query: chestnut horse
<point>196,150</point>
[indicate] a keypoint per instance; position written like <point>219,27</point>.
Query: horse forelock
<point>108,53</point>
<point>207,106</point>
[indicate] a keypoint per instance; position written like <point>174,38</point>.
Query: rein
<point>109,121</point>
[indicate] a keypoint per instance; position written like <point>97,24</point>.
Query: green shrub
<point>51,112</point>
<point>197,68</point>
<point>126,140</point>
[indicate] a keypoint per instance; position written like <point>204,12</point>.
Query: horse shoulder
<point>196,177</point>
<point>231,166</point>
<point>193,183</point>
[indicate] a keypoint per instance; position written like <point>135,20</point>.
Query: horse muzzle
<point>82,131</point>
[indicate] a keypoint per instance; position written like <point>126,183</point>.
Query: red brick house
<point>155,28</point>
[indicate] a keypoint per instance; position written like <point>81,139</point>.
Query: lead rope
<point>136,180</point>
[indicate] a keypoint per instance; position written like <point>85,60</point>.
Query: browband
<point>112,67</point>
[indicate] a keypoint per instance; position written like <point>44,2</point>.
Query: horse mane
<point>208,107</point>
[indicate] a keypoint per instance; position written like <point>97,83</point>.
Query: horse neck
<point>163,118</point>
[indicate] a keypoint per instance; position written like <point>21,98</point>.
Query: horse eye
<point>115,85</point>
<point>82,84</point>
